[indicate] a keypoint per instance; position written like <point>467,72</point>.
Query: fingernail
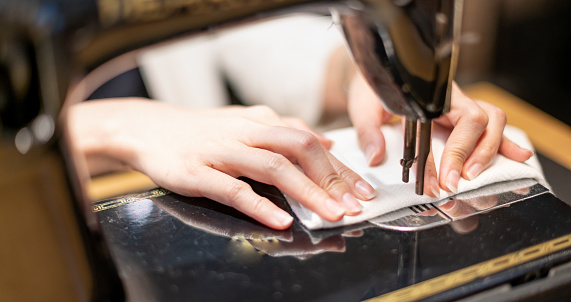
<point>351,203</point>
<point>452,181</point>
<point>365,189</point>
<point>334,208</point>
<point>434,187</point>
<point>474,171</point>
<point>282,218</point>
<point>370,153</point>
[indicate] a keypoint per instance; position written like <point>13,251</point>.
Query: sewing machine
<point>62,250</point>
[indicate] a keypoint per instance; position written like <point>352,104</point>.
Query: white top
<point>280,63</point>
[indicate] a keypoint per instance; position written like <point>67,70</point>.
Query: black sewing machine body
<point>175,248</point>
<point>48,228</point>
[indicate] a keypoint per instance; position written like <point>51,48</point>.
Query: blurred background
<point>522,47</point>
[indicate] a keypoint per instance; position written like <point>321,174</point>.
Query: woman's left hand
<point>476,138</point>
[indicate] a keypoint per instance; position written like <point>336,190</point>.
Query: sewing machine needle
<point>409,148</point>
<point>424,139</point>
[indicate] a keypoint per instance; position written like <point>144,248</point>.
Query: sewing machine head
<point>406,51</point>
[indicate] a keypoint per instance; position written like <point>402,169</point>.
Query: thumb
<point>367,115</point>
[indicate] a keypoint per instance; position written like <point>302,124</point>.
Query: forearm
<point>340,72</point>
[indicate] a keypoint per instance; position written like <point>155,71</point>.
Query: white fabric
<point>392,193</point>
<point>280,63</point>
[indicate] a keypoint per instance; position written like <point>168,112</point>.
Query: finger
<point>367,115</point>
<point>265,115</point>
<point>354,234</point>
<point>483,202</point>
<point>522,191</point>
<point>431,187</point>
<point>359,187</point>
<point>304,149</point>
<point>470,121</point>
<point>431,212</point>
<point>457,208</point>
<point>301,125</point>
<point>513,151</point>
<point>239,195</point>
<point>271,168</point>
<point>466,225</point>
<point>488,144</point>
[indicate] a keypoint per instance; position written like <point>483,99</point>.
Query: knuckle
<point>362,132</point>
<point>330,181</point>
<point>309,190</point>
<point>256,205</point>
<point>194,173</point>
<point>479,118</point>
<point>275,163</point>
<point>263,111</point>
<point>458,156</point>
<point>500,115</point>
<point>488,150</point>
<point>240,122</point>
<point>306,141</point>
<point>346,173</point>
<point>235,191</point>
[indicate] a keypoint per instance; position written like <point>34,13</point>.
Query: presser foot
<point>410,141</point>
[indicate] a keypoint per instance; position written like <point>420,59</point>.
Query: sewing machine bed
<point>171,248</point>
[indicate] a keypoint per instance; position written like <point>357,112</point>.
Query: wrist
<point>97,131</point>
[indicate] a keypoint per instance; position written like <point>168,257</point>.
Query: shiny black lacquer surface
<point>172,248</point>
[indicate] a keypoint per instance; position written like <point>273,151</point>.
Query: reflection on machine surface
<point>459,211</point>
<point>217,219</point>
<point>171,247</point>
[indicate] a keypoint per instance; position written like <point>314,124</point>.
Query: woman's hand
<point>476,138</point>
<point>202,153</point>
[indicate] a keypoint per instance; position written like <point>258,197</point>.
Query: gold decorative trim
<point>128,199</point>
<point>460,277</point>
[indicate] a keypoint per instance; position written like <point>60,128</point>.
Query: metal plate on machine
<point>456,208</point>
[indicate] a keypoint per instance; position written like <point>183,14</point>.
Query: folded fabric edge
<point>312,222</point>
